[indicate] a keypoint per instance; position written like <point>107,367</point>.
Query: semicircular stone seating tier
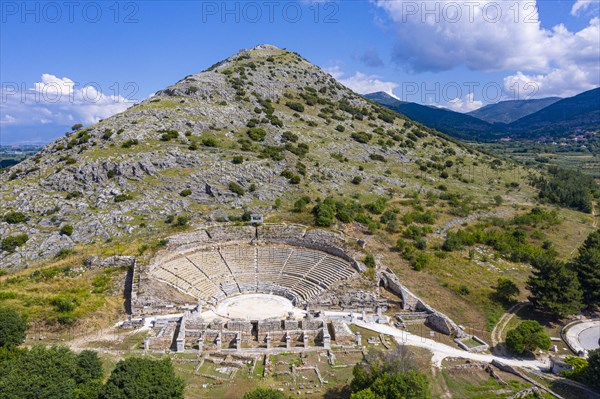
<point>210,275</point>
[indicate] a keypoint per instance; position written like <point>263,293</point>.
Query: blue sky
<point>62,64</point>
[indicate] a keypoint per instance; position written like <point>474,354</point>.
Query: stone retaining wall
<point>436,320</point>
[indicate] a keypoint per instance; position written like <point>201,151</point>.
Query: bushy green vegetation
<point>138,378</point>
<point>527,336</point>
<point>66,230</point>
<point>264,393</point>
<point>123,197</point>
<point>130,143</point>
<point>15,217</point>
<point>236,188</point>
<point>506,290</point>
<point>554,288</point>
<point>11,243</point>
<point>73,195</point>
<point>587,267</point>
<point>50,373</point>
<point>569,188</point>
<point>361,137</point>
<point>509,238</point>
<point>257,133</point>
<point>388,375</point>
<point>298,107</point>
<point>186,192</point>
<point>12,328</point>
<point>168,134</point>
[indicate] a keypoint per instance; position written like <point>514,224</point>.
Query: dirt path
<point>441,351</point>
<point>503,322</point>
<point>443,230</point>
<point>104,335</point>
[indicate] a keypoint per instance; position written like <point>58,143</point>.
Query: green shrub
<point>12,328</point>
<point>15,217</point>
<point>506,290</point>
<point>301,203</point>
<point>140,378</point>
<point>168,134</point>
<point>527,336</point>
<point>256,133</point>
<point>64,304</point>
<point>340,128</point>
<point>186,193</point>
<point>324,214</point>
<point>130,143</point>
<point>369,260</point>
<point>182,221</point>
<point>238,159</point>
<point>11,243</point>
<point>210,142</point>
<point>264,393</point>
<point>66,230</point>
<point>123,197</point>
<point>293,177</point>
<point>236,188</point>
<point>377,157</point>
<point>295,106</point>
<point>74,194</point>
<point>289,137</point>
<point>362,137</point>
<point>356,180</point>
<point>110,174</point>
<point>378,206</point>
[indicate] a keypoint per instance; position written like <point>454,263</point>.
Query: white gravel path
<point>441,351</point>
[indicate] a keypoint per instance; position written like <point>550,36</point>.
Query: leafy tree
<point>138,378</point>
<point>528,336</point>
<point>76,127</point>
<point>506,289</point>
<point>587,267</point>
<point>12,328</point>
<point>324,213</point>
<point>593,369</point>
<point>50,373</point>
<point>389,375</point>
<point>580,367</point>
<point>554,288</point>
<point>264,393</point>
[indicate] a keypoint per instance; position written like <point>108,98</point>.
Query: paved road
<point>441,351</point>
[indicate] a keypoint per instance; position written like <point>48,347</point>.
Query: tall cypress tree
<point>554,287</point>
<point>587,267</point>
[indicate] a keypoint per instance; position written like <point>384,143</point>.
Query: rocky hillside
<point>255,132</point>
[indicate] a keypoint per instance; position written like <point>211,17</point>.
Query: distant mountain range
<point>510,111</point>
<point>452,123</point>
<point>550,117</point>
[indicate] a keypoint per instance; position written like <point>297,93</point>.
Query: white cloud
<point>466,104</point>
<point>581,6</point>
<point>57,101</point>
<point>362,83</point>
<point>335,71</point>
<point>491,35</point>
<point>9,119</point>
